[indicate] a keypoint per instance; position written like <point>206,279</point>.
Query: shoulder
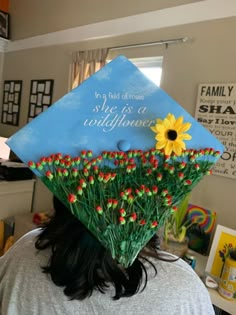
<point>26,239</point>
<point>178,283</point>
<point>22,259</point>
<point>178,271</point>
<point>21,249</point>
<point>29,236</point>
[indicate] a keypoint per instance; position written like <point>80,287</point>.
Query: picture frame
<point>203,222</point>
<point>40,98</point>
<point>4,24</point>
<point>223,240</point>
<point>12,90</point>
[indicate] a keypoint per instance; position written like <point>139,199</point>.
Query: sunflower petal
<point>153,128</point>
<point>169,148</point>
<point>185,127</point>
<point>178,123</point>
<point>181,144</point>
<point>171,119</point>
<point>177,148</point>
<point>160,128</point>
<point>184,136</point>
<point>166,123</point>
<point>160,137</point>
<point>163,142</point>
<point>160,144</point>
<point>159,121</point>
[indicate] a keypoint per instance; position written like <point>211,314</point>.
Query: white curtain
<point>85,63</point>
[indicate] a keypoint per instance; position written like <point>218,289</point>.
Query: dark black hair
<point>80,264</point>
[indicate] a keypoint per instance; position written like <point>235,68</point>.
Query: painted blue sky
<point>118,103</point>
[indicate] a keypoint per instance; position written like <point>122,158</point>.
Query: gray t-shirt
<point>26,290</point>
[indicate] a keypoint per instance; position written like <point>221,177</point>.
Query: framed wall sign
<point>216,111</point>
<point>12,90</point>
<point>40,97</point>
<point>4,24</point>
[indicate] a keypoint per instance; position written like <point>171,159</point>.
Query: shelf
<point>222,303</point>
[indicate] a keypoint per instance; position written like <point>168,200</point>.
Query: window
<point>151,67</point>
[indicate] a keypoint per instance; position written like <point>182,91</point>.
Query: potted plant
<point>175,240</point>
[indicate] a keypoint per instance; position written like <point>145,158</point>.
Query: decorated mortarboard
<point>120,153</point>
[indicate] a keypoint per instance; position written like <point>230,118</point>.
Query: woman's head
<point>79,262</point>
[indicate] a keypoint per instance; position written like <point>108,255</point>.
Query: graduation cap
<point>120,153</point>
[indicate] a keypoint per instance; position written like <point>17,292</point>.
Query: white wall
<point>33,17</point>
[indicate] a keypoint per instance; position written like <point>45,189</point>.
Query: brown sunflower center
<point>172,134</point>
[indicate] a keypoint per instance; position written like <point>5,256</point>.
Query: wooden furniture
<point>216,298</point>
<point>16,197</point>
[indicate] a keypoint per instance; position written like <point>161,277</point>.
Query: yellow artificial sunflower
<point>170,134</point>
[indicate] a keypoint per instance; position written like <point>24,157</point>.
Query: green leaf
<point>181,212</point>
<point>182,234</point>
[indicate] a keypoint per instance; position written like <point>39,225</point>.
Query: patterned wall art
<point>40,97</point>
<point>4,24</point>
<point>12,90</point>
